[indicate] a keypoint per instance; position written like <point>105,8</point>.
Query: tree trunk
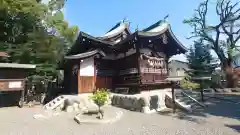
<point>231,77</point>
<point>100,112</point>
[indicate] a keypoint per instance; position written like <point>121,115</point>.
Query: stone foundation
<point>146,102</point>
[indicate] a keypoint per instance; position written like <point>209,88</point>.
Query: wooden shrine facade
<point>121,59</point>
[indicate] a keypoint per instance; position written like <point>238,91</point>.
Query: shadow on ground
<point>234,127</point>
<point>9,98</point>
<point>193,117</point>
<point>224,105</point>
<point>221,105</point>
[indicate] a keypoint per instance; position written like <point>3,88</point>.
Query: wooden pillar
<point>166,61</point>
<point>95,75</point>
<point>79,78</point>
<point>21,101</point>
<point>173,97</point>
<point>138,64</point>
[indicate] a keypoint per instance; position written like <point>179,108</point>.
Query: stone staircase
<point>192,99</point>
<point>82,101</point>
<point>55,103</point>
<point>187,100</point>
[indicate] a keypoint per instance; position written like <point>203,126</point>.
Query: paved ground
<point>16,121</point>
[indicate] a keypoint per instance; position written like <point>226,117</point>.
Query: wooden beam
<point>79,79</point>
<point>173,97</point>
<point>138,63</point>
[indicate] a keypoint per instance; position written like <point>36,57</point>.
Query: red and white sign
<point>16,84</point>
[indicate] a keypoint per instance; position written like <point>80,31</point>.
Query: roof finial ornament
<point>136,28</point>
<point>125,19</point>
<point>166,17</point>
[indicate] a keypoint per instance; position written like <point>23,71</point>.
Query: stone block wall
<point>146,102</point>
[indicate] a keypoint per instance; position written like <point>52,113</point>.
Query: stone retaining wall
<point>146,102</point>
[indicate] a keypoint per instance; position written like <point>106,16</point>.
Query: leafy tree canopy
<point>201,62</point>
<point>35,33</point>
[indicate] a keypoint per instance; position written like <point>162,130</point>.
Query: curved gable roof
<point>119,28</point>
<point>85,54</point>
<point>159,28</point>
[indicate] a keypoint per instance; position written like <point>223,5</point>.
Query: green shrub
<point>100,98</point>
<point>186,83</point>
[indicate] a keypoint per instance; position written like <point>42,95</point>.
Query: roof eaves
<point>86,54</point>
<point>176,40</point>
<point>145,32</point>
<point>83,34</point>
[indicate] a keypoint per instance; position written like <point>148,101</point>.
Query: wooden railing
<point>154,70</point>
<point>128,71</point>
<point>132,78</point>
<point>132,71</point>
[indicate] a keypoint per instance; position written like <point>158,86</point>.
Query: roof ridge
<point>118,24</point>
<point>158,23</point>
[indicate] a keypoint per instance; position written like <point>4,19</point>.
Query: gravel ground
<point>19,121</point>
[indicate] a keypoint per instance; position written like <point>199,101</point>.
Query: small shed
<point>12,83</point>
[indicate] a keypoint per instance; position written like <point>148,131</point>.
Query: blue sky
<point>97,16</point>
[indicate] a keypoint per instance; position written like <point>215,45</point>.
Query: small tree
<point>100,97</point>
<point>200,60</point>
<point>186,83</point>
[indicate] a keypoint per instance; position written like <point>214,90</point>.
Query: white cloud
<point>180,57</point>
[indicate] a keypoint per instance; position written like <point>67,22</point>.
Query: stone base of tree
<point>111,114</point>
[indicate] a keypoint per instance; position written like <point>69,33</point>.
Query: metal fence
<point>41,91</point>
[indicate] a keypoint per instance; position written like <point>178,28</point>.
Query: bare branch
<point>237,32</point>
<point>237,38</point>
<point>228,14</point>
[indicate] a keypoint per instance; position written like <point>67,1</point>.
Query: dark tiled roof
<point>86,54</point>
<point>83,34</point>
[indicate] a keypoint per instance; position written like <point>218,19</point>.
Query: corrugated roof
<point>15,65</point>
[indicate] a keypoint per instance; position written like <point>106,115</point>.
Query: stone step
<point>54,103</point>
<point>195,105</point>
<point>179,103</point>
